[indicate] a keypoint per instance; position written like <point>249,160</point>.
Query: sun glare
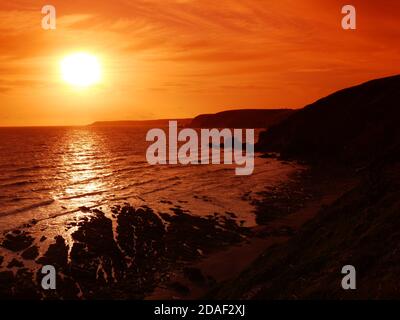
<point>81,70</point>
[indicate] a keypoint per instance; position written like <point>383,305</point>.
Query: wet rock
<point>96,260</point>
<point>166,201</point>
<point>17,241</point>
<point>6,280</point>
<point>24,286</point>
<point>231,214</point>
<point>30,253</point>
<point>194,275</point>
<point>15,263</point>
<point>187,234</point>
<point>141,236</point>
<point>131,262</point>
<point>56,255</point>
<point>84,209</point>
<point>269,156</point>
<point>285,231</point>
<point>177,210</point>
<point>179,288</point>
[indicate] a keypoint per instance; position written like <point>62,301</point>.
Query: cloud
<point>227,47</point>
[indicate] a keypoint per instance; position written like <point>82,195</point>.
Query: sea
<point>52,172</point>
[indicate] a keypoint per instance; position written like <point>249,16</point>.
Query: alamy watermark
<point>349,280</point>
<point>349,21</point>
<point>50,277</point>
<point>49,21</point>
<point>195,150</point>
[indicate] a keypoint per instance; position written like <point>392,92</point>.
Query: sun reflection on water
<point>84,166</point>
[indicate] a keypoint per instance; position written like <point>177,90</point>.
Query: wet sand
<point>122,256</point>
<point>305,196</point>
<point>126,252</point>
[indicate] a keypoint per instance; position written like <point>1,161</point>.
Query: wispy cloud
<point>227,47</point>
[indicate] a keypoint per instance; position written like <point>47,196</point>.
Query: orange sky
<point>179,58</point>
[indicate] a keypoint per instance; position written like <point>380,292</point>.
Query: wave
<point>18,184</point>
<point>27,208</point>
<point>136,184</point>
<point>163,188</point>
<point>83,195</point>
<point>36,167</point>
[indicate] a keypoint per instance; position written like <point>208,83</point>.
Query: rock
<point>231,214</point>
<point>128,263</point>
<point>84,209</point>
<point>24,287</point>
<point>194,275</point>
<point>166,202</point>
<point>96,260</point>
<point>30,253</point>
<point>17,241</point>
<point>179,288</point>
<point>15,263</point>
<point>141,236</point>
<point>6,280</point>
<point>56,255</point>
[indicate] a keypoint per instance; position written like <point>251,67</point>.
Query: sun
<point>81,70</point>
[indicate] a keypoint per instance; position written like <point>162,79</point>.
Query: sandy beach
<point>127,252</point>
<point>127,240</point>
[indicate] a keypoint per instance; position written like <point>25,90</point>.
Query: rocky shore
<point>124,252</point>
<point>124,255</point>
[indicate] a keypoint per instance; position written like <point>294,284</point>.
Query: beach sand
<point>124,252</point>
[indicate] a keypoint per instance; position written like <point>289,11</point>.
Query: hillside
<point>246,118</point>
<point>139,123</point>
<point>362,228</point>
<point>359,228</point>
<point>352,124</point>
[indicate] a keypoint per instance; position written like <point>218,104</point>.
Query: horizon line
<point>135,120</point>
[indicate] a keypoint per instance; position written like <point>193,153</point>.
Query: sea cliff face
<point>353,124</point>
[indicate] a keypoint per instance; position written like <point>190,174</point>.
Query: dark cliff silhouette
<point>362,226</point>
<point>139,123</point>
<point>246,118</point>
<point>351,124</point>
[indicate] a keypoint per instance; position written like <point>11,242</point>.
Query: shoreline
<point>121,254</point>
<point>225,265</point>
<point>136,253</point>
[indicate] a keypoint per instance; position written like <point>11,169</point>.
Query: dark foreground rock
<point>123,257</point>
<point>30,253</point>
<point>17,240</point>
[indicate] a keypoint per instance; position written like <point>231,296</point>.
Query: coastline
<point>305,195</point>
<point>125,252</point>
